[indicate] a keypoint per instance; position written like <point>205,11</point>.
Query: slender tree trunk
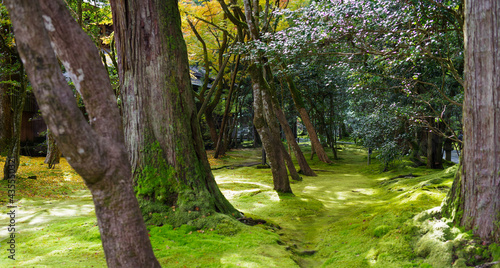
<point>212,126</point>
<point>14,146</point>
<point>162,132</point>
<point>304,166</point>
<point>267,126</point>
<point>95,150</point>
<point>448,147</point>
<point>474,200</point>
<point>5,117</point>
<point>220,144</point>
<point>264,117</point>
<point>53,154</point>
<point>434,151</point>
<point>299,103</point>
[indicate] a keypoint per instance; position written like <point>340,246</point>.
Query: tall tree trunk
<point>264,117</point>
<point>95,150</point>
<point>304,166</point>
<point>220,148</point>
<point>266,124</point>
<point>474,200</point>
<point>299,103</point>
<point>162,133</point>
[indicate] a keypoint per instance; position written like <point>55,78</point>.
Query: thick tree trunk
<point>96,150</point>
<point>474,200</point>
<point>53,153</point>
<point>299,103</point>
<point>162,132</point>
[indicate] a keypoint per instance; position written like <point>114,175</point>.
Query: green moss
<point>329,222</point>
<point>156,180</point>
<point>381,230</point>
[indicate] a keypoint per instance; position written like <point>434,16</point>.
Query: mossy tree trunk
<point>264,116</point>
<point>162,133</point>
<point>94,149</point>
<point>474,200</point>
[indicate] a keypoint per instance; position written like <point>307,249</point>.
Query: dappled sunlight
<point>72,211</point>
<point>221,184</point>
<point>334,214</point>
<point>365,191</point>
<point>34,261</point>
<point>230,194</point>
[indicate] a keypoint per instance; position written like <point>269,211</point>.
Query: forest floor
<point>350,215</point>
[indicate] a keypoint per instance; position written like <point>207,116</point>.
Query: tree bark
<point>267,126</point>
<point>264,117</point>
<point>212,126</point>
<point>162,133</point>
<point>53,153</point>
<point>474,200</point>
<point>95,150</point>
<point>290,137</point>
<point>299,103</point>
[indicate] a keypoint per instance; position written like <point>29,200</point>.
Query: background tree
<point>13,91</point>
<point>53,153</point>
<point>94,149</point>
<point>162,132</point>
<point>411,48</point>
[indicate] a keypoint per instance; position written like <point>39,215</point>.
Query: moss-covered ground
<point>350,215</point>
